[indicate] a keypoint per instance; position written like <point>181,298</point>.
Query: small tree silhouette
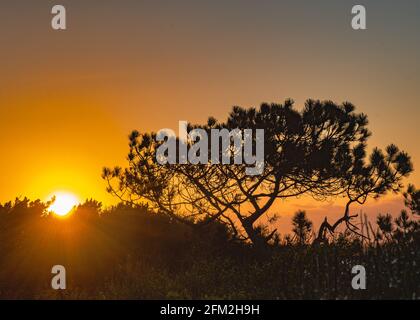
<point>302,227</point>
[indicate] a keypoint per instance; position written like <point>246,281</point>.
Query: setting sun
<point>63,204</point>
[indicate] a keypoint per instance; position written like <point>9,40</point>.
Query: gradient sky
<point>68,99</point>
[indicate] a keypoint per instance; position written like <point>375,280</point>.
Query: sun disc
<point>63,204</point>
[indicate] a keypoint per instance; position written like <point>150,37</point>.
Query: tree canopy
<point>318,151</point>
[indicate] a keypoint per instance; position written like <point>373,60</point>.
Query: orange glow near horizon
<point>68,100</point>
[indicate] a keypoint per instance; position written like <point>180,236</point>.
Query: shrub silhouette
<point>127,251</point>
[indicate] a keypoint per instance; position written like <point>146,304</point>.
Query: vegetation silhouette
<point>302,227</point>
<point>196,231</point>
<point>130,252</point>
<point>319,151</point>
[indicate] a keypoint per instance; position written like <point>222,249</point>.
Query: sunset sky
<point>68,99</point>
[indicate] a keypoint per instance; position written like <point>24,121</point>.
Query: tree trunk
<point>256,238</point>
